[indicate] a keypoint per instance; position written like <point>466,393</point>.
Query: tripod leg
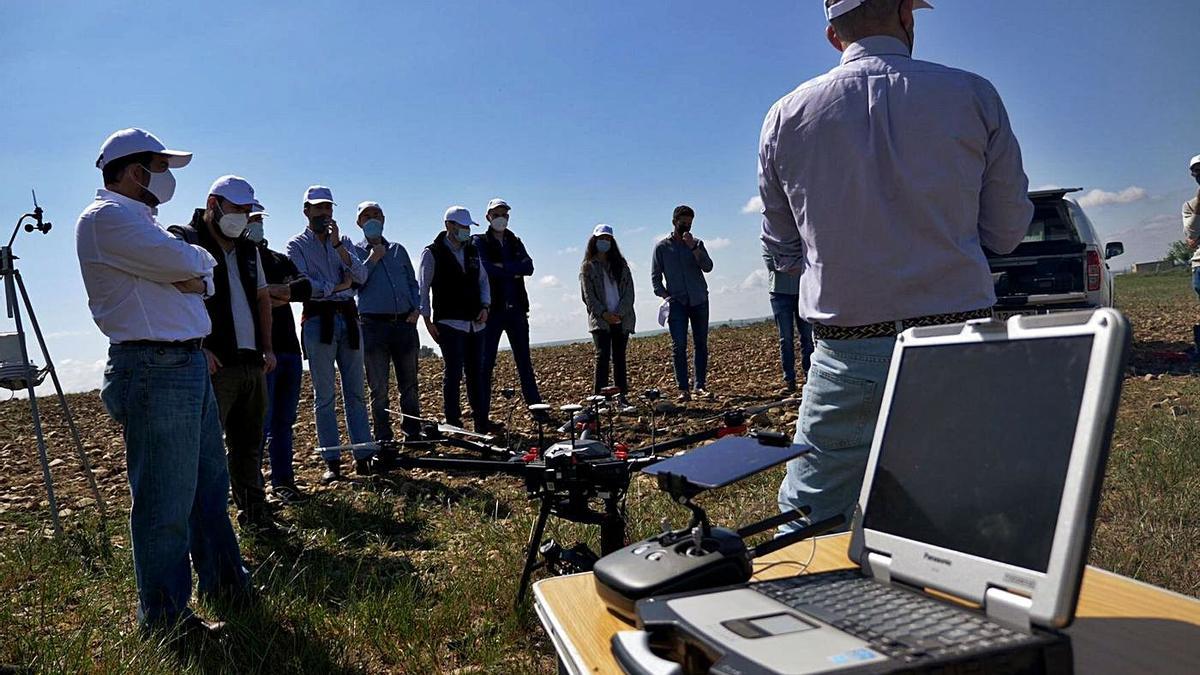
<point>531,551</point>
<point>62,400</point>
<point>37,418</point>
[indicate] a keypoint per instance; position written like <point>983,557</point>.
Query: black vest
<point>222,341</point>
<point>455,290</point>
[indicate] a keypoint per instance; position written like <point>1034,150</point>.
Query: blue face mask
<point>462,234</point>
<point>603,245</point>
<point>373,229</point>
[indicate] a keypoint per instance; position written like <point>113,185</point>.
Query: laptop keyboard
<point>897,623</point>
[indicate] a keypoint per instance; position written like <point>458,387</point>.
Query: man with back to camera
<point>239,347</point>
<point>919,160</point>
<point>507,264</point>
<point>455,298</point>
<point>388,304</point>
<point>677,275</point>
<point>286,285</point>
<point>329,329</point>
<point>146,293</point>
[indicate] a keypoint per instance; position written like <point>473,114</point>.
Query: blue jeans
<point>389,344</point>
<point>321,360</point>
<point>283,402</point>
<point>463,352</point>
<point>786,309</point>
<point>838,411</point>
<point>677,321</point>
<point>163,399</point>
<point>516,324</point>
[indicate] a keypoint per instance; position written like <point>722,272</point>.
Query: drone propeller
<point>446,428</point>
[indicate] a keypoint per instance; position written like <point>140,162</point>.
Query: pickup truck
<point>1059,266</point>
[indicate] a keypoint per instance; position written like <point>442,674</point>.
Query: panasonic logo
<point>940,561</point>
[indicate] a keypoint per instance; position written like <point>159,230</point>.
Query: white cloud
<point>569,250</point>
<point>718,243</point>
<point>755,205</point>
<point>1101,198</point>
<point>756,280</point>
<point>549,281</point>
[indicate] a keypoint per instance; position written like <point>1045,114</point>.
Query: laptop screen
<point>977,444</point>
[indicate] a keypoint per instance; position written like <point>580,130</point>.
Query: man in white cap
<point>455,298</point>
<point>286,286</point>
<point>919,160</point>
<point>239,348</point>
<point>507,264</point>
<point>389,306</point>
<point>1191,232</point>
<point>329,329</point>
<point>146,292</point>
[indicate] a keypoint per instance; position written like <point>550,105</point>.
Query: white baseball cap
<point>132,141</point>
<point>234,189</point>
<point>602,229</point>
<point>846,6</point>
<point>460,215</point>
<point>363,206</point>
<point>1194,162</point>
<point>318,194</point>
<point>497,202</point>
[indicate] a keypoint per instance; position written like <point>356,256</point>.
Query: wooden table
<point>1121,625</point>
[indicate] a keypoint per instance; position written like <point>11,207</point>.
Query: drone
<point>583,478</point>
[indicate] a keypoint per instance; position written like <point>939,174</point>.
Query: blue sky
<point>575,112</point>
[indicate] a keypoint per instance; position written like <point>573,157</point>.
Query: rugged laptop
<point>981,486</point>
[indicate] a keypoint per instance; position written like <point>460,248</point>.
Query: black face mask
<point>683,229</point>
<point>1197,177</point>
<point>318,223</point>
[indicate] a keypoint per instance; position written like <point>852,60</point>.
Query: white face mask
<point>232,225</point>
<point>499,223</point>
<point>162,186</point>
<point>254,231</point>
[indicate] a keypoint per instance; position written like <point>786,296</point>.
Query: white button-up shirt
<point>129,263</point>
<point>883,180</point>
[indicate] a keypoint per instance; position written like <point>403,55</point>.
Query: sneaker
<point>701,392</point>
<point>333,472</point>
<point>290,494</point>
<point>191,629</point>
<point>623,404</point>
<point>789,388</point>
<point>684,396</point>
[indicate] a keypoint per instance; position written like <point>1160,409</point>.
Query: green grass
<point>416,573</point>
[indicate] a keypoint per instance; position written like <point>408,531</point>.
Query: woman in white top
<point>606,286</point>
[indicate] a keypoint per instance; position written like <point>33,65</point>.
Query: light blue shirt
<point>391,286</point>
<point>883,180</point>
<point>322,264</point>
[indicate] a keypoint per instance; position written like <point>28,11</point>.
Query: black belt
<point>894,328</point>
<point>191,345</point>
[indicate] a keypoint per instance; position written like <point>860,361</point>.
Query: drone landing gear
<point>578,558</point>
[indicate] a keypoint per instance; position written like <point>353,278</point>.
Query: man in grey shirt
<point>677,274</point>
<point>920,161</point>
